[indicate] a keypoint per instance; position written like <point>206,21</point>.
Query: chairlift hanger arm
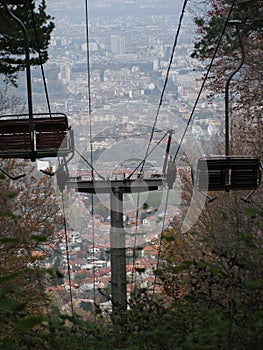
<point>227,132</point>
<point>167,153</point>
<point>169,167</point>
<point>27,62</point>
<point>141,164</point>
<point>14,178</point>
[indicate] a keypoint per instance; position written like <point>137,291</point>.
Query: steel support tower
<point>116,189</point>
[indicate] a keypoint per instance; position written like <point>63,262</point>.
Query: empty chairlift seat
<point>225,173</point>
<point>44,136</point>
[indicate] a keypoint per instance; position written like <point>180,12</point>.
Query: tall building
<point>92,47</point>
<point>156,64</point>
<point>65,73</point>
<point>117,44</point>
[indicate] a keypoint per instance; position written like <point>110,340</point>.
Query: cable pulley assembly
<point>171,174</point>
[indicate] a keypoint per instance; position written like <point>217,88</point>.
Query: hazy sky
<point>115,8</point>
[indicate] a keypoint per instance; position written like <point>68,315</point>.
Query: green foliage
<point>145,206</point>
<point>182,267</point>
<point>12,44</point>
<point>210,27</point>
<point>251,212</point>
<point>17,327</point>
<point>158,272</point>
<point>28,322</point>
<point>39,238</point>
<point>86,306</point>
<point>169,238</point>
<point>8,240</point>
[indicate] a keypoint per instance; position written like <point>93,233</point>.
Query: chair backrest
<point>245,173</point>
<point>51,133</point>
<point>44,137</point>
<point>228,173</point>
<point>14,137</point>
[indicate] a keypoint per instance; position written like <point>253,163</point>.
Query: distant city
<point>130,45</point>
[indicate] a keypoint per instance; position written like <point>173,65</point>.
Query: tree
<point>8,103</point>
<point>246,88</point>
<point>213,273</point>
<point>12,42</point>
<point>29,216</point>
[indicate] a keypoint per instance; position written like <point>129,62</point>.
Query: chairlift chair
<point>50,136</point>
<point>33,135</point>
<point>228,172</point>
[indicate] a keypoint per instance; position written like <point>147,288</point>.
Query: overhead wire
<point>145,158</point>
<point>63,201</point>
<point>188,123</point>
<point>148,151</point>
<point>67,255</point>
<point>46,89</point>
<point>133,281</point>
<point>91,141</point>
<point>204,80</point>
<point>89,81</point>
<point>90,165</point>
<point>161,239</point>
<point>31,5</point>
<point>40,58</point>
<point>166,80</point>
